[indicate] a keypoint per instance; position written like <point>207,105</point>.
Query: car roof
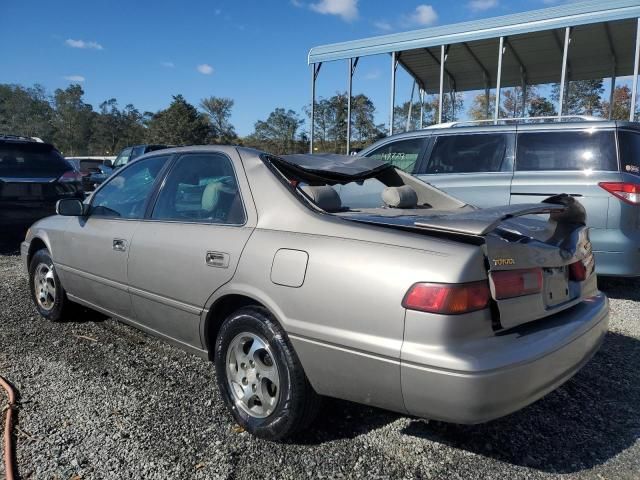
<point>19,139</point>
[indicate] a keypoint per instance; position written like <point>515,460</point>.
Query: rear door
<point>33,176</point>
<point>474,167</point>
<point>566,161</point>
<point>190,243</point>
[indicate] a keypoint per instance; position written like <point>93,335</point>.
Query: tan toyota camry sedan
<point>303,276</point>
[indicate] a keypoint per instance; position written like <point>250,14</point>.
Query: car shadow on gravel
<point>340,419</point>
<point>620,288</point>
<point>593,417</point>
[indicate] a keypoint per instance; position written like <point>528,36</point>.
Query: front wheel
<point>260,377</point>
<point>46,290</point>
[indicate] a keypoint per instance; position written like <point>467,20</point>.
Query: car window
<point>90,165</point>
<point>574,150</point>
<point>629,151</point>
<point>123,157</point>
<point>126,193</point>
<point>201,187</point>
<point>404,154</point>
<point>31,160</point>
<point>136,152</point>
<point>468,153</point>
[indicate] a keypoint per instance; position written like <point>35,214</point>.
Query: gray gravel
<point>99,399</point>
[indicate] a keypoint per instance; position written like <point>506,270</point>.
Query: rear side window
<point>468,153</point>
<point>629,152</point>
<point>201,188</point>
<point>573,151</point>
<point>87,166</point>
<point>403,154</point>
<point>26,160</point>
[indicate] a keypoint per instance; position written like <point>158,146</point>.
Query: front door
<point>474,167</point>
<point>95,268</point>
<point>190,245</point>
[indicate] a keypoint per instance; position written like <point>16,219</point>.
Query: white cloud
<point>345,9</point>
<point>217,11</point>
<point>482,5</point>
<point>75,78</point>
<point>383,26</point>
<point>423,15</point>
<point>70,42</point>
<point>297,3</point>
<point>167,64</point>
<point>373,75</point>
<point>205,69</point>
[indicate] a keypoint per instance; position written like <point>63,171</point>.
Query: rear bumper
<point>533,360</point>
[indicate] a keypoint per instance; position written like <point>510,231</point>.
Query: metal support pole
<point>499,79</point>
<point>563,77</point>
<point>413,88</point>
<point>443,58</point>
<point>315,70</point>
<point>632,110</point>
<point>394,65</point>
<point>349,106</point>
<point>420,122</point>
<point>613,88</point>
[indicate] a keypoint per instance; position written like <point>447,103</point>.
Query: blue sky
<point>253,51</point>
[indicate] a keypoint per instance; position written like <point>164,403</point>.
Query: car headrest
<point>211,196</point>
<point>324,196</point>
<point>400,197</point>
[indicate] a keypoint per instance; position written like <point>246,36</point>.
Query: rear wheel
<point>46,290</point>
<point>260,377</point>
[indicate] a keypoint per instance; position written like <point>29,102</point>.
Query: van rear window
<point>31,160</point>
<point>567,150</point>
<point>629,151</point>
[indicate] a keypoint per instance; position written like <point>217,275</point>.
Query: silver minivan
<point>597,162</point>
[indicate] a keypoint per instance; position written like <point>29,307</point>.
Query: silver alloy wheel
<point>253,375</point>
<point>44,286</point>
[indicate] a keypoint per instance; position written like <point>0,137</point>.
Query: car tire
<point>47,292</point>
<point>254,354</point>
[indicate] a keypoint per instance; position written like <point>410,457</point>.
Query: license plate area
<point>556,286</point>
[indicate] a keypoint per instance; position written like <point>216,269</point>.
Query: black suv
<point>33,177</point>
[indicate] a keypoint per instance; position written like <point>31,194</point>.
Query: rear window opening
<point>31,160</point>
<point>629,152</point>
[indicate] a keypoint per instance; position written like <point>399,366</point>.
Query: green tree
<point>114,129</point>
<point>179,124</point>
<point>73,121</point>
<point>452,107</point>
<point>541,107</point>
<point>218,110</point>
<point>26,111</point>
<point>277,134</point>
<point>582,97</point>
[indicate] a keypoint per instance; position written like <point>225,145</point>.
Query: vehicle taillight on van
<point>626,191</point>
<point>70,176</point>
<point>517,283</point>
<point>447,299</point>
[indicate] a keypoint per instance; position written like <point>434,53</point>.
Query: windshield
<point>122,158</point>
<point>31,160</point>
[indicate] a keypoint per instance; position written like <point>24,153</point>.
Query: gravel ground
<point>99,399</point>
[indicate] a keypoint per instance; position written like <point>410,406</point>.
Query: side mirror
<point>108,162</point>
<point>70,207</point>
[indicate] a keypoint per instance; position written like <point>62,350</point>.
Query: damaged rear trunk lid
<point>549,262</point>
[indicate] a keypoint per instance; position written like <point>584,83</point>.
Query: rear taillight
<point>517,283</point>
<point>578,271</point>
<point>70,176</point>
<point>447,299</point>
<point>625,191</point>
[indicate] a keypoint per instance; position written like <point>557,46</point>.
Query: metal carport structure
<point>579,41</point>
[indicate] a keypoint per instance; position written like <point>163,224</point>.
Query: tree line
<point>66,120</point>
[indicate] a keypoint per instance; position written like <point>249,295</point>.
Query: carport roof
<point>602,44</point>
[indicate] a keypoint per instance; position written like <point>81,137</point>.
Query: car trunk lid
<point>520,249</point>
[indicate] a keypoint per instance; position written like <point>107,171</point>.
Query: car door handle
<point>217,259</point>
<point>119,245</point>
